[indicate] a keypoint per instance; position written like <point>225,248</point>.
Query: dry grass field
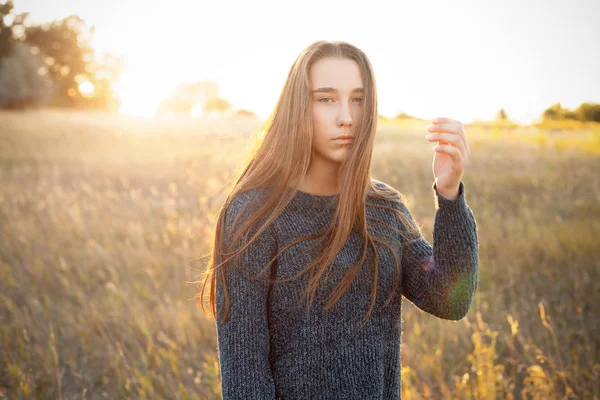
<point>103,220</point>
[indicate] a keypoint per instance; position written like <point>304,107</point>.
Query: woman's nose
<point>344,115</point>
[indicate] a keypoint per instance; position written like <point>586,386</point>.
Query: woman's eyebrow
<point>330,89</point>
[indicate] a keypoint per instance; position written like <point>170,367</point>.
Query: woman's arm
<point>244,338</point>
<point>442,280</point>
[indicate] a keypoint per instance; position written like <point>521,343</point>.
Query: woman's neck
<point>321,177</point>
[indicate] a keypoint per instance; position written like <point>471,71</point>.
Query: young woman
<point>307,224</point>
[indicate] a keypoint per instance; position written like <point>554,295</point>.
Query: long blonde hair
<point>280,161</point>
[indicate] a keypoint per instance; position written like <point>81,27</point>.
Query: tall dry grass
<point>102,219</point>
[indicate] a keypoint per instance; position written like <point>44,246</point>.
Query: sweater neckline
<point>317,196</point>
<point>316,202</point>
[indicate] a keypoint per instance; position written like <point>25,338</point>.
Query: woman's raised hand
<point>451,155</point>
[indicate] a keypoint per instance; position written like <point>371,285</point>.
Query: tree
<point>501,115</point>
<point>187,96</point>
<point>403,115</point>
<point>67,52</point>
<point>24,79</point>
<point>554,112</point>
<point>104,72</point>
<point>244,113</point>
<point>585,112</point>
<point>588,112</point>
<point>568,114</point>
<point>11,28</point>
<point>53,63</point>
<point>216,104</point>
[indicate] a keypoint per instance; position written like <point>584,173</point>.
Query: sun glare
<point>86,88</point>
<point>136,104</point>
<point>138,96</point>
<point>197,110</point>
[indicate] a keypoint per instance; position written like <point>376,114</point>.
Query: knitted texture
<point>270,349</point>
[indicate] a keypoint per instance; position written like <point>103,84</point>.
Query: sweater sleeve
<point>243,339</point>
<point>442,280</point>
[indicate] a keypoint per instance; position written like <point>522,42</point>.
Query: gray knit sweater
<point>270,350</point>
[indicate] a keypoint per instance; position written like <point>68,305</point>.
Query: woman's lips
<point>343,140</point>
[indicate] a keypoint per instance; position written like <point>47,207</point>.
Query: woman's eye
<point>329,99</point>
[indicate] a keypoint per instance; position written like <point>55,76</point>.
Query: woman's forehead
<point>341,74</point>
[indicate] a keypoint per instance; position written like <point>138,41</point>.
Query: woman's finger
<point>452,151</point>
<point>451,126</point>
<point>445,138</point>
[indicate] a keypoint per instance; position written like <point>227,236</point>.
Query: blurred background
<point>123,122</point>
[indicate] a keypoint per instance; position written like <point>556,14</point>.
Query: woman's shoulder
<point>251,196</point>
<point>244,203</point>
<point>385,192</point>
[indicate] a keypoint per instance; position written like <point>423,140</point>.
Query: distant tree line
<point>194,98</point>
<point>52,64</point>
<point>585,112</point>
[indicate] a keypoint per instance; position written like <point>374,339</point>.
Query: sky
<point>461,59</point>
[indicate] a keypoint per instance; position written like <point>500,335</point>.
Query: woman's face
<point>337,96</point>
